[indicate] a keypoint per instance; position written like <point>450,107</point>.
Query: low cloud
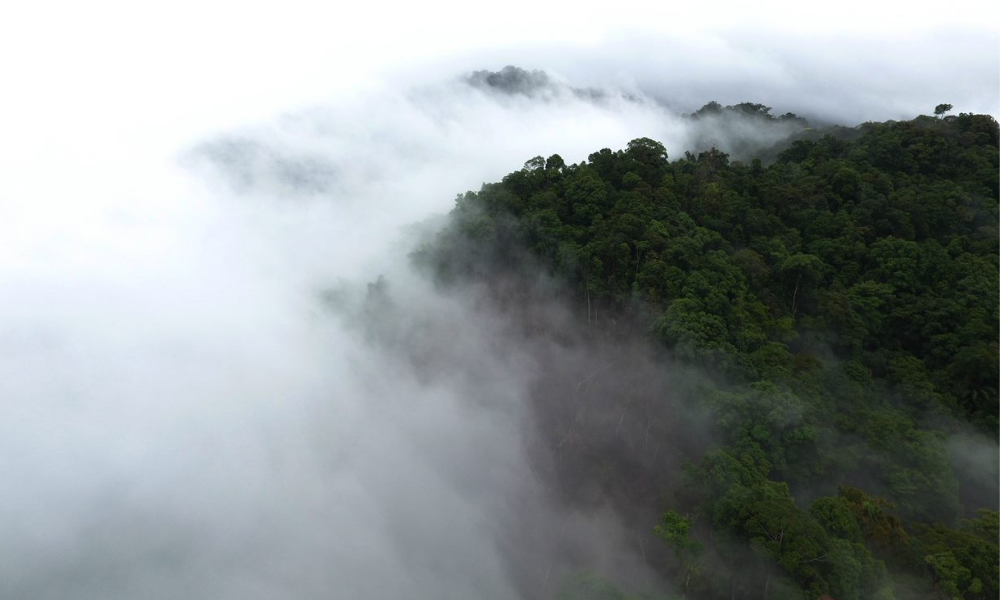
<point>199,405</point>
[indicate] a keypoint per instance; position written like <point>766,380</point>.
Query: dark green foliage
<point>845,298</point>
<point>963,562</point>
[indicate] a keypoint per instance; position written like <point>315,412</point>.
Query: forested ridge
<point>838,299</point>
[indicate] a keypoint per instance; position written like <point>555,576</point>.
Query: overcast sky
<point>181,418</point>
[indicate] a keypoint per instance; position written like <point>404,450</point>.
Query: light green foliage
<point>675,529</point>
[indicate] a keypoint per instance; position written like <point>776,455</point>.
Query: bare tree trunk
<point>642,549</point>
<point>637,259</point>
<point>795,293</point>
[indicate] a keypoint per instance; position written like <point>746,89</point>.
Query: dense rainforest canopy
<point>838,299</point>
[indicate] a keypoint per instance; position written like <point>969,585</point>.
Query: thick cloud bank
<point>207,394</point>
<point>196,407</point>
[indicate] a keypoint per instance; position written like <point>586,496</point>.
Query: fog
<point>189,413</point>
<point>200,400</point>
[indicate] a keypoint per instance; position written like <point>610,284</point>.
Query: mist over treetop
<point>842,301</point>
<point>513,80</point>
<point>210,393</point>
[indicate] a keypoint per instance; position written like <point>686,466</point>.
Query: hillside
<point>817,352</point>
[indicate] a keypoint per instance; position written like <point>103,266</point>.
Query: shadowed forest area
<point>781,372</point>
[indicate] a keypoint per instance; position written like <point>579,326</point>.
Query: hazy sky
<point>182,417</point>
<point>102,91</point>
